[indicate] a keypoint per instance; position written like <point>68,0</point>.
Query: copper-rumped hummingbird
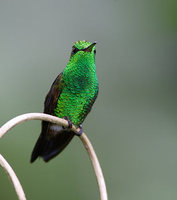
<point>71,97</point>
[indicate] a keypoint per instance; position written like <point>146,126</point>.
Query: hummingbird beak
<point>89,48</point>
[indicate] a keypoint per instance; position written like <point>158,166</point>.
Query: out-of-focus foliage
<point>133,123</point>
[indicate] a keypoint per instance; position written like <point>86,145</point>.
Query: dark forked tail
<point>47,148</point>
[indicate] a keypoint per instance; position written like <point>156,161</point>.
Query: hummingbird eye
<point>95,51</point>
<point>74,50</point>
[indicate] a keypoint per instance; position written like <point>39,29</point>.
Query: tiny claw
<point>79,133</point>
<point>69,122</point>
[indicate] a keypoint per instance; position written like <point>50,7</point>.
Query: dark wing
<point>48,147</point>
<point>52,96</point>
<point>51,101</point>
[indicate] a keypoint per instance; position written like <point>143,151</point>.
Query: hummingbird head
<point>83,50</point>
<point>80,70</point>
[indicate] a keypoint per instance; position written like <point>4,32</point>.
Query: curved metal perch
<point>87,144</point>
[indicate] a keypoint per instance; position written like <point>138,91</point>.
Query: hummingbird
<point>71,97</point>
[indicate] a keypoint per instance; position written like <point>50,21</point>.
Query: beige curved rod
<point>87,144</point>
<point>16,183</point>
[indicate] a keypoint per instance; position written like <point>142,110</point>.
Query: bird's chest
<point>78,81</point>
<point>74,104</point>
<point>75,99</point>
<point>77,93</point>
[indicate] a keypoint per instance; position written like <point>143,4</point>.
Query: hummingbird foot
<point>69,123</point>
<point>79,133</point>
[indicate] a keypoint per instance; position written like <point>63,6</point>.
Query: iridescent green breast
<point>79,86</point>
<point>75,107</point>
<point>75,103</point>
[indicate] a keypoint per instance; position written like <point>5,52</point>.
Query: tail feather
<point>47,148</point>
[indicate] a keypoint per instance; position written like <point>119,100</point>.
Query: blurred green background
<point>133,122</point>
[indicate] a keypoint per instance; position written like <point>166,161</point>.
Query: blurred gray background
<point>133,122</point>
